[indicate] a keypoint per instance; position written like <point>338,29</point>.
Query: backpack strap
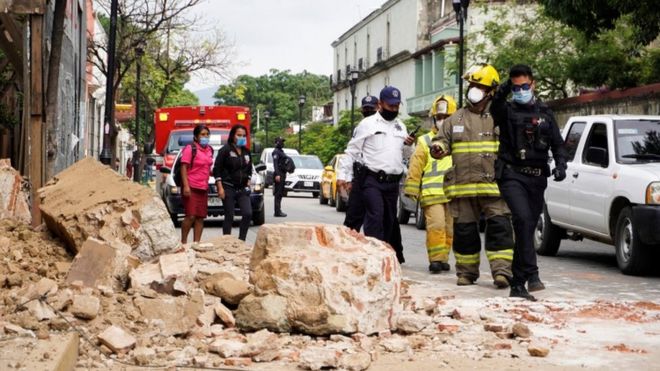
<point>193,148</point>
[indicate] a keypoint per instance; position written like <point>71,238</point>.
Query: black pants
<point>242,198</point>
<point>524,196</point>
<point>380,201</point>
<point>278,192</point>
<point>356,209</point>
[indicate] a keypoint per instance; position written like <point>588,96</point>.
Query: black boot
<point>445,266</point>
<point>519,291</point>
<point>280,215</point>
<point>435,267</point>
<point>535,284</point>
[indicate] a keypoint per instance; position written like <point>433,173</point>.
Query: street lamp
<point>353,84</point>
<point>301,103</point>
<point>461,7</point>
<point>106,154</point>
<point>266,118</point>
<point>137,169</point>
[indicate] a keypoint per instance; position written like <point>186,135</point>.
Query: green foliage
<point>594,17</point>
<point>276,92</point>
<point>536,40</point>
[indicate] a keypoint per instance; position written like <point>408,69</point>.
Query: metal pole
<point>137,169</point>
<point>106,154</point>
<point>266,123</point>
<point>352,111</point>
<point>460,63</point>
<point>299,127</point>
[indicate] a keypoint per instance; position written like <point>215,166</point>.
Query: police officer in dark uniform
<point>355,210</point>
<point>528,130</point>
<point>279,175</point>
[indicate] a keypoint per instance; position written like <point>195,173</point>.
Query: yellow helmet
<point>482,74</point>
<point>443,104</point>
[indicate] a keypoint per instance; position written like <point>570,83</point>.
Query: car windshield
<point>637,141</point>
<point>179,139</point>
<point>307,162</point>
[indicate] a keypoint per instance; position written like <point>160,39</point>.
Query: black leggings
<point>242,198</point>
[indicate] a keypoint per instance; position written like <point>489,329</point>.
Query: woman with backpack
<point>232,172</point>
<point>196,161</point>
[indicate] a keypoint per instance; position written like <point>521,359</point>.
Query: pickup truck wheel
<point>402,214</point>
<point>547,236</point>
<point>420,219</point>
<point>632,255</point>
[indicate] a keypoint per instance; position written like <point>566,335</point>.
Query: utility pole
<point>109,126</point>
<point>137,168</point>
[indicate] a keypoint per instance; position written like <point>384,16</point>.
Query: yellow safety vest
<point>434,175</point>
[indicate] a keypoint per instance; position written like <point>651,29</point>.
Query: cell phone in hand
<point>414,132</point>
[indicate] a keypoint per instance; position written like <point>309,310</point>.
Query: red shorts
<point>197,204</point>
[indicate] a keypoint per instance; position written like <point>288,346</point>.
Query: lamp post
<point>266,118</point>
<point>137,169</point>
<point>352,83</point>
<point>301,103</point>
<point>106,154</point>
<point>461,7</point>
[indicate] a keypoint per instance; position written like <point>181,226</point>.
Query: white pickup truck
<point>612,190</point>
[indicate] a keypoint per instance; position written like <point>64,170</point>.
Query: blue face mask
<point>241,141</point>
<point>204,141</point>
<point>523,96</point>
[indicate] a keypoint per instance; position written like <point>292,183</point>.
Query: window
<point>379,54</point>
<point>338,76</point>
<point>573,139</point>
<point>597,139</point>
<point>360,64</point>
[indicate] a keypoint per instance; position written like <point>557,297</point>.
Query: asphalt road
<point>581,270</point>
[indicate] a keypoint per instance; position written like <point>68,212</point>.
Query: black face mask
<point>279,145</point>
<point>388,115</point>
<point>367,113</point>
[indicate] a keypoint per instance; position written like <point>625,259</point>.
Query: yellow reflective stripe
<point>439,248</point>
<point>475,147</point>
<point>427,140</point>
<point>432,185</point>
<point>466,259</point>
<point>472,188</point>
<point>425,201</point>
<point>506,254</point>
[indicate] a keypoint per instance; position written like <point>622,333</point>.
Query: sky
<point>282,34</point>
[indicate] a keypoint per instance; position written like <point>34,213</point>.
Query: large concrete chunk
<point>98,262</point>
<point>13,200</point>
<point>89,199</point>
<point>325,280</point>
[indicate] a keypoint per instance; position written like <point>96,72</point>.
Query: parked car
<point>171,195</point>
<point>612,191</point>
<point>267,158</point>
<point>329,192</point>
<point>307,177</point>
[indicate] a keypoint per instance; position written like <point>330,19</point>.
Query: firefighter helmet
<point>444,105</point>
<point>482,74</point>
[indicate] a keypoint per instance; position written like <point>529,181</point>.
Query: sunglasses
<point>524,86</point>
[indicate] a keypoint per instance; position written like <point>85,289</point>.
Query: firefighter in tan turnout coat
<point>471,139</point>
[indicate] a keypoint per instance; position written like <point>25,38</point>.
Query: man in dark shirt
<point>279,175</point>
<point>528,130</point>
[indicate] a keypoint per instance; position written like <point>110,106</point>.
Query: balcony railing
<point>420,104</point>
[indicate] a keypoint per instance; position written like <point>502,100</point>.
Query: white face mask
<point>438,123</point>
<point>475,95</point>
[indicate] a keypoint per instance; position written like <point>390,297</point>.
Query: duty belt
<point>383,177</point>
<point>526,170</point>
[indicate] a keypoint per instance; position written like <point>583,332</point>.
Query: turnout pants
<point>439,232</point>
<point>380,201</point>
<point>524,196</point>
<point>278,192</point>
<point>232,198</point>
<point>467,242</point>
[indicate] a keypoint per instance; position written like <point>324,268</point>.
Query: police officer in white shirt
<point>380,142</point>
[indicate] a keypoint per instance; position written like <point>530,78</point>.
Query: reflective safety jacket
<point>472,141</point>
<point>426,175</point>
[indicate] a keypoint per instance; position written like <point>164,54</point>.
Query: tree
<point>594,17</point>
<point>172,42</point>
<point>276,92</point>
<point>534,39</point>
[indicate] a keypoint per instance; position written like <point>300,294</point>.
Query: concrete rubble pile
<point>307,296</point>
